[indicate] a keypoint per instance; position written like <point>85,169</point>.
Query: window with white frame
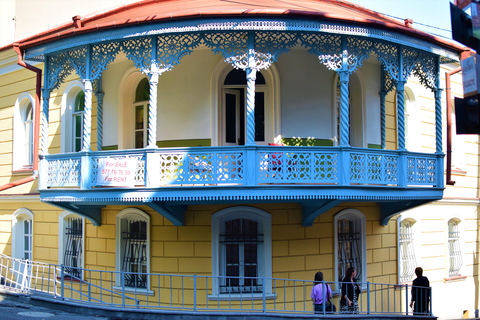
<point>406,249</point>
<point>71,243</point>
<point>23,133</point>
<point>22,234</point>
<point>77,121</point>
<point>142,97</point>
<point>454,249</point>
<point>350,242</point>
<point>132,256</point>
<point>241,251</point>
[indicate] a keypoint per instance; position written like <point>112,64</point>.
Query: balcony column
<point>438,115</point>
<point>44,121</point>
<point>152,109</point>
<point>99,94</point>
<point>153,75</point>
<point>401,114</point>
<point>251,77</point>
<point>344,110</point>
<point>87,116</point>
<point>383,96</point>
<point>87,112</point>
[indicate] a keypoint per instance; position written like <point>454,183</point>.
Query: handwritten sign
<point>116,172</point>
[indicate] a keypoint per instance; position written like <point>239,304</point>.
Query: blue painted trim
<point>93,213</point>
<point>223,24</point>
<point>388,210</point>
<point>240,194</point>
<point>309,214</point>
<point>174,214</point>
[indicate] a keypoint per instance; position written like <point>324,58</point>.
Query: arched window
<point>71,243</point>
<point>350,242</point>
<point>241,251</point>
<point>22,234</point>
<point>140,106</point>
<point>133,248</point>
<point>454,248</point>
<point>233,111</point>
<point>77,121</point>
<point>23,133</point>
<point>408,261</point>
<point>413,137</point>
<point>73,109</point>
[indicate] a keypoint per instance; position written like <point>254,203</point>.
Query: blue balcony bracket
<point>388,210</point>
<point>174,214</point>
<point>93,213</point>
<point>311,211</point>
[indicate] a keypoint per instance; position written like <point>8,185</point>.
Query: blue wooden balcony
<point>319,178</point>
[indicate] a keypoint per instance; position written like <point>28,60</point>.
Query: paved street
<point>18,309</point>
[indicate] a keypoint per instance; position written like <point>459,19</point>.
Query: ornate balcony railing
<point>243,166</point>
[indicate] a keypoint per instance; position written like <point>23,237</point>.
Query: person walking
<point>420,294</point>
<point>321,294</point>
<point>350,292</point>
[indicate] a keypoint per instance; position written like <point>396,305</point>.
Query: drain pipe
<point>36,129</point>
<point>448,91</point>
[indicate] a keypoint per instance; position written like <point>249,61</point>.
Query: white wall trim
<point>17,231</point>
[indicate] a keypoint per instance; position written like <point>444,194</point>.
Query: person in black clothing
<point>420,294</point>
<point>350,292</point>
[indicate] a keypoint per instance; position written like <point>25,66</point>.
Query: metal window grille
<point>72,257</point>
<point>455,253</point>
<point>407,252</point>
<point>349,248</point>
<point>240,246</point>
<point>27,239</point>
<point>134,239</point>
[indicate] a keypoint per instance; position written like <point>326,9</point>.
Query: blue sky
<point>434,13</point>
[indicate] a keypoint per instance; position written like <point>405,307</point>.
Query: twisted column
<point>383,121</point>
<point>344,110</point>
<point>99,96</point>
<point>44,120</point>
<point>152,111</point>
<point>87,116</point>
<point>401,114</point>
<point>251,77</point>
<point>438,120</point>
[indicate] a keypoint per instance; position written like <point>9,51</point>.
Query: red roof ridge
<point>99,20</point>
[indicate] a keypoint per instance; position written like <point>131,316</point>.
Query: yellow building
<point>214,156</point>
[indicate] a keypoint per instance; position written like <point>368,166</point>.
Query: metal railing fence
<point>196,293</point>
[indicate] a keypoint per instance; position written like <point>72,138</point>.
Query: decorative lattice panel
<point>201,168</point>
<point>421,170</point>
<point>369,168</point>
<point>297,167</point>
<point>63,173</point>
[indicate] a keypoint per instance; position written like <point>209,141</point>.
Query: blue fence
<point>195,293</point>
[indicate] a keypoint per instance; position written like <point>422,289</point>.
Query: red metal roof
<point>148,11</point>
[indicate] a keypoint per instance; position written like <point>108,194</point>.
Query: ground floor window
<point>133,248</point>
<point>241,244</point>
<point>71,244</point>
<point>454,250</point>
<point>350,240</point>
